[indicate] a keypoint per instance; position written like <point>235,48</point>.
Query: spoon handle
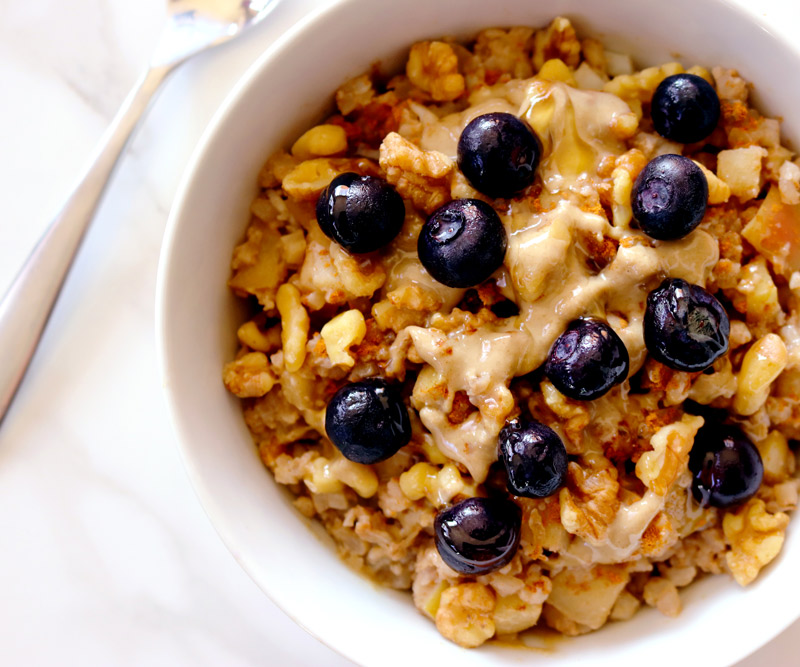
<point>27,305</point>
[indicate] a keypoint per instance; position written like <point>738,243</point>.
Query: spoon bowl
<point>195,25</point>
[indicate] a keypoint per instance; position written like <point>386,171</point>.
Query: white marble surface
<point>107,557</point>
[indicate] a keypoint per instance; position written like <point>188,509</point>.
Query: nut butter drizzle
<point>545,271</point>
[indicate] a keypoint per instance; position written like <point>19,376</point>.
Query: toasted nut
<point>779,461</point>
<point>321,478</point>
<point>361,478</point>
<point>267,341</point>
<point>320,141</point>
<point>249,376</point>
<point>718,190</point>
<point>341,333</point>
<point>556,69</point>
<point>433,67</point>
<point>294,326</point>
<point>755,537</point>
<point>762,364</point>
<point>464,615</point>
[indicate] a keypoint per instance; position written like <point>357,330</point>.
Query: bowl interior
<point>290,558</point>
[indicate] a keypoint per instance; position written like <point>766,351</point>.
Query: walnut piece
<point>671,446</point>
<point>558,40</point>
<point>249,376</point>
<point>421,176</point>
<point>465,614</point>
<point>355,94</point>
<point>589,502</point>
<point>433,67</point>
<point>755,537</point>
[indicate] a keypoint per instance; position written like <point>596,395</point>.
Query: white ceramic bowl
<point>283,93</point>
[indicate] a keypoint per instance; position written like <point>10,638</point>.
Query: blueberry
<point>367,421</point>
<point>462,243</point>
<point>361,213</point>
<point>727,467</point>
<point>478,535</point>
<point>669,197</point>
<point>587,360</point>
<point>685,108</point>
<point>534,457</point>
<point>685,327</point>
<point>498,153</point>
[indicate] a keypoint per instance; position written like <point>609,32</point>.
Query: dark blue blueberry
<point>587,360</point>
<point>462,243</point>
<point>360,213</point>
<point>534,457</point>
<point>727,467</point>
<point>685,327</point>
<point>498,153</point>
<point>669,197</point>
<point>685,108</point>
<point>478,535</point>
<point>367,421</point>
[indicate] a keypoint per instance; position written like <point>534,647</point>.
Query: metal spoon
<point>192,26</point>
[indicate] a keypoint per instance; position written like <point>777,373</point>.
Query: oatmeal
<point>525,331</point>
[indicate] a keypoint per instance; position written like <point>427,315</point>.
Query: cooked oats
<point>624,529</point>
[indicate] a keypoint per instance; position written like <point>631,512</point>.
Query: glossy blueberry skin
<point>367,421</point>
<point>685,327</point>
<point>685,108</point>
<point>587,360</point>
<point>462,243</point>
<point>534,457</point>
<point>726,465</point>
<point>669,197</point>
<point>478,535</point>
<point>360,213</point>
<point>498,153</point>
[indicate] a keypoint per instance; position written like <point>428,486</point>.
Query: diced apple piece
<point>775,232</point>
<point>740,168</point>
<point>587,596</point>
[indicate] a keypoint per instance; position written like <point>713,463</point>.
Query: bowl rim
<point>164,278</point>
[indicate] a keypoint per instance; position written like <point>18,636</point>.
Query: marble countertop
<point>107,557</point>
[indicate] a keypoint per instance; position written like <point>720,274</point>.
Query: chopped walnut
<point>249,376</point>
<point>558,40</point>
<point>779,461</point>
<point>505,52</point>
<point>595,54</point>
<point>275,169</point>
<point>433,67</point>
<point>465,614</point>
<point>589,502</point>
<point>755,537</point>
<point>671,446</point>
<point>330,274</point>
<point>422,176</point>
<point>355,94</point>
<point>574,413</point>
<point>310,177</point>
<point>257,264</point>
